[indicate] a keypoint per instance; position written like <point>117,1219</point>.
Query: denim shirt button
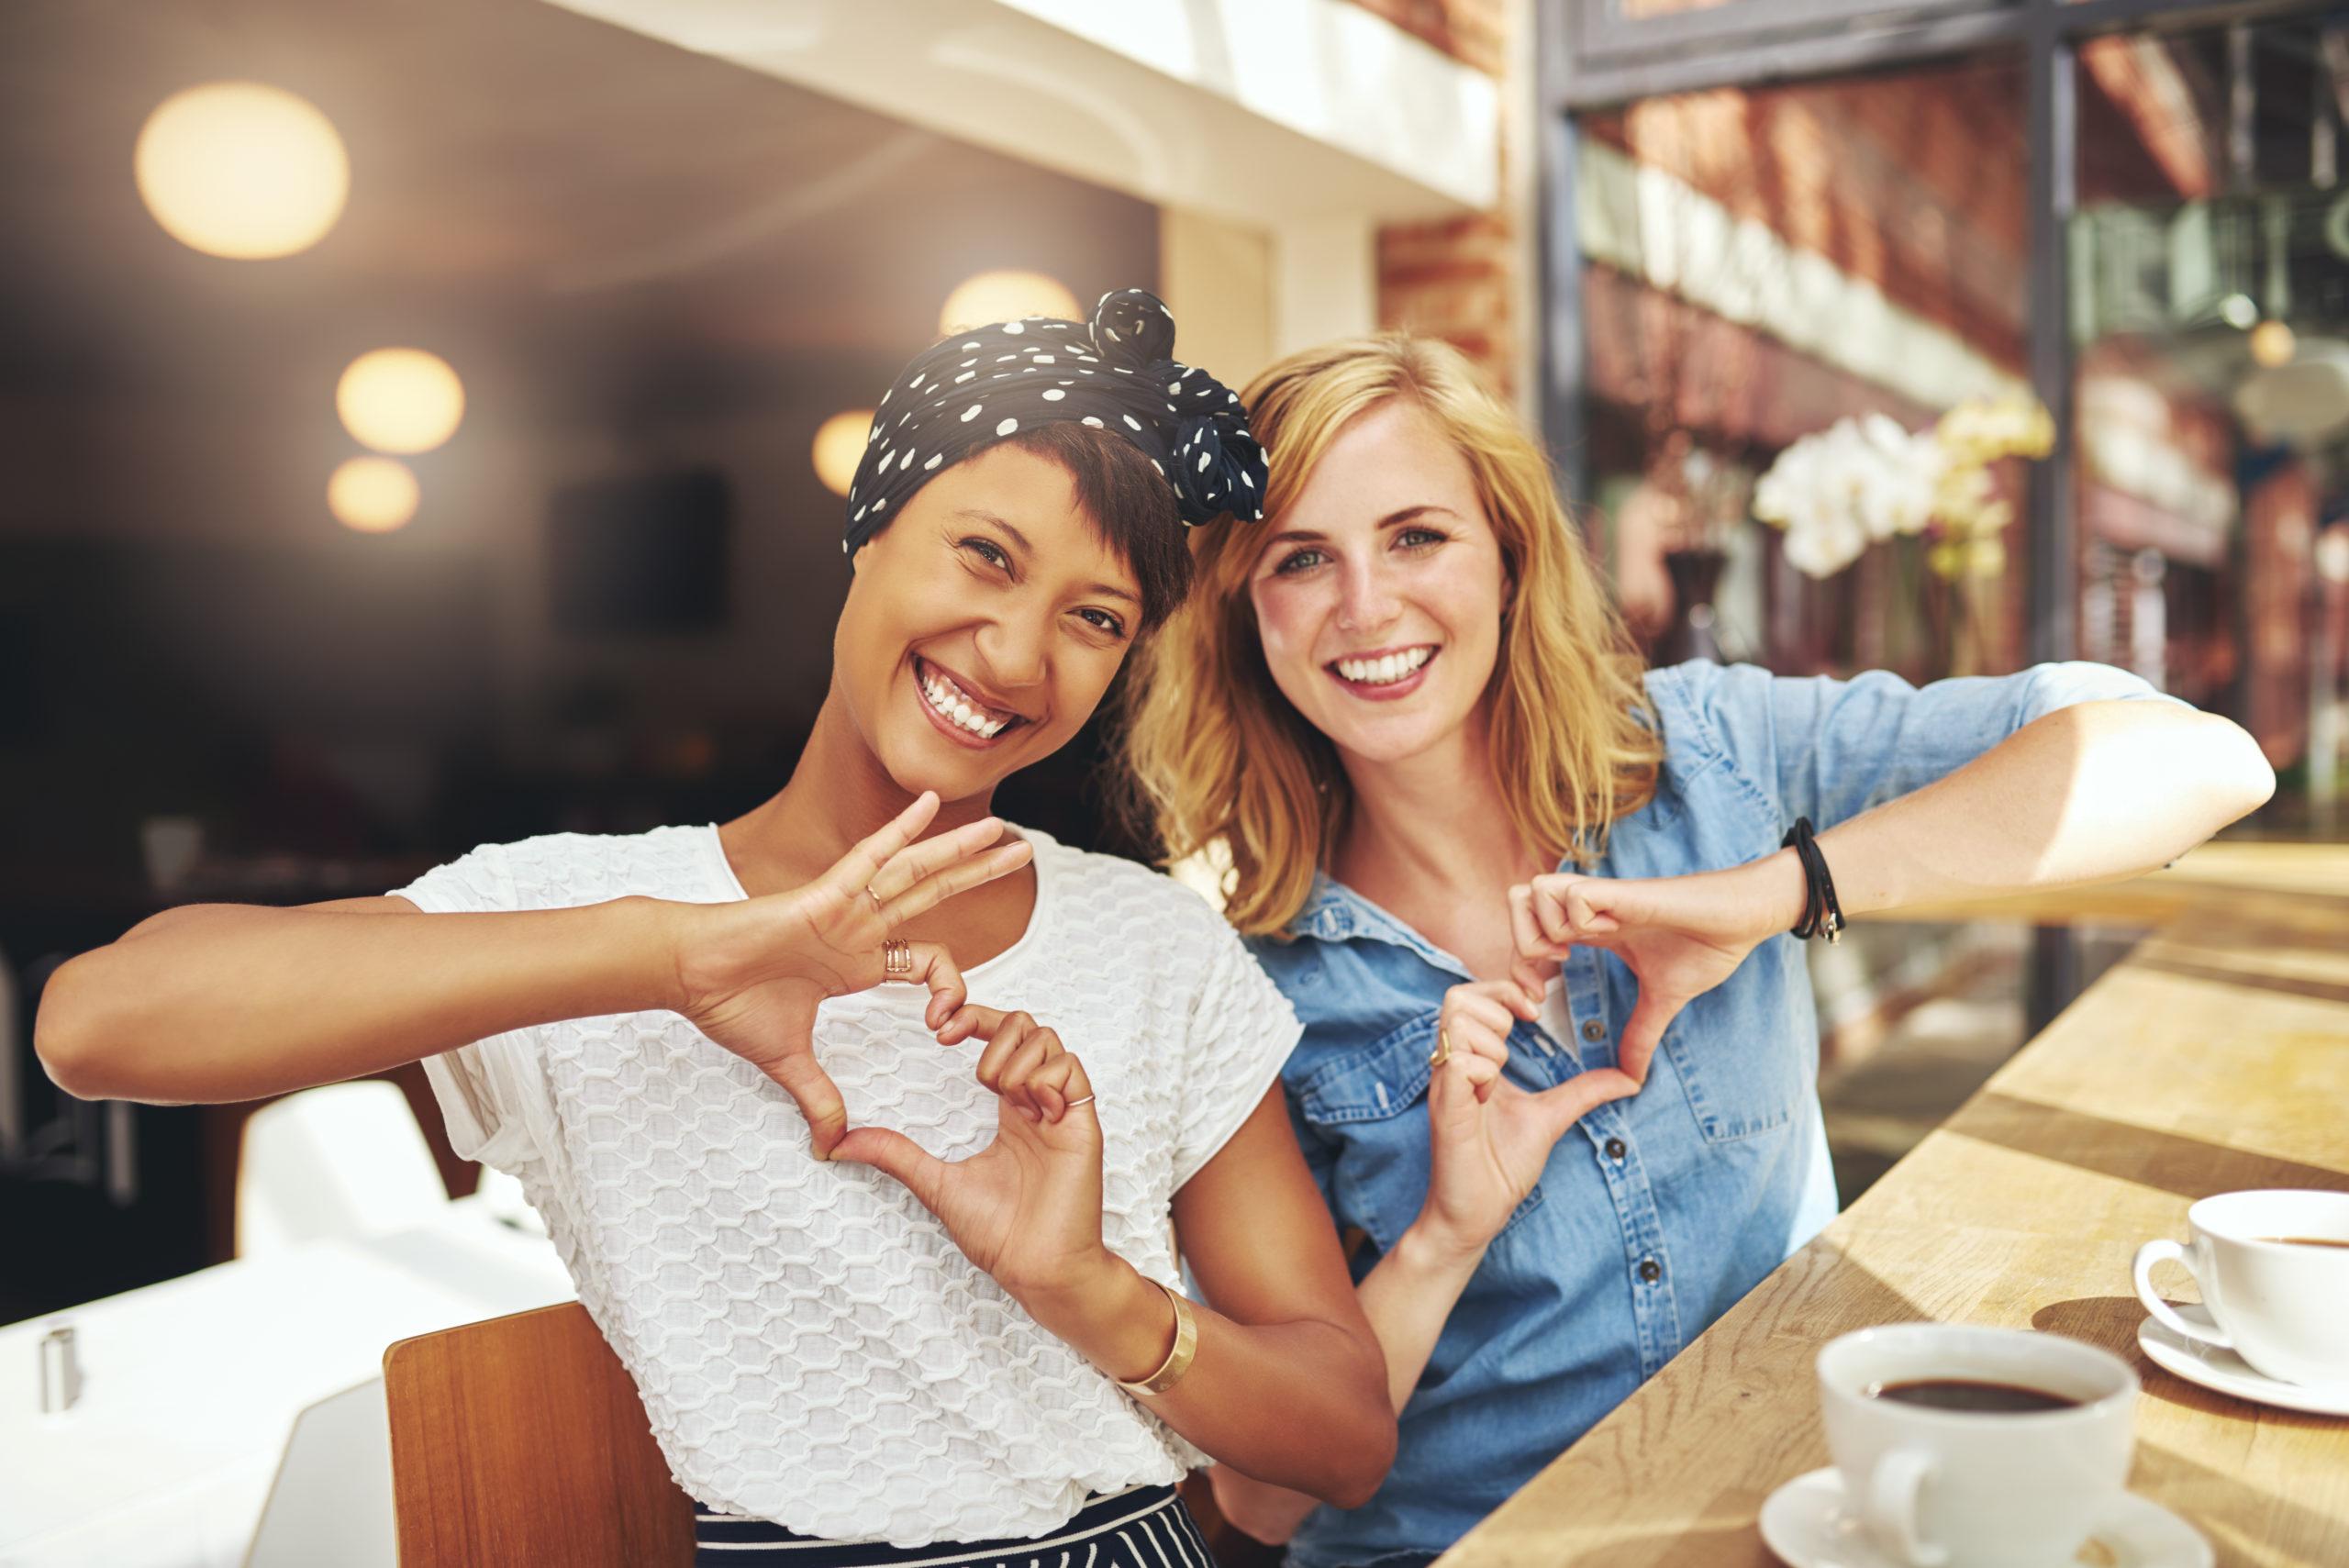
<point>1615,1149</point>
<point>1649,1270</point>
<point>1593,1029</point>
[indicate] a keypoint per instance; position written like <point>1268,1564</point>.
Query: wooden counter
<point>2215,1057</point>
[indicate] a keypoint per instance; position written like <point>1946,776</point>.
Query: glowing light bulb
<point>400,400</point>
<point>1005,296</point>
<point>241,170</point>
<point>839,446</point>
<point>372,495</point>
<point>2272,344</point>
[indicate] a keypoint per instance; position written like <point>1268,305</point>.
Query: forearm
<point>229,1001</point>
<point>2088,792</point>
<point>1407,1296</point>
<point>1295,1404</point>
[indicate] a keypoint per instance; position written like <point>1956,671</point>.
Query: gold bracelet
<point>1179,1360</point>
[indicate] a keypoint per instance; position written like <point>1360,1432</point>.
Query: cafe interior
<point>428,426</point>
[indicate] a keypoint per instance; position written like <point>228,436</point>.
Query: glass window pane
<point>2210,265</point>
<point>1764,267</point>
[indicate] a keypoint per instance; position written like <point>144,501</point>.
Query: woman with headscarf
<point>1542,909</point>
<point>933,1313</point>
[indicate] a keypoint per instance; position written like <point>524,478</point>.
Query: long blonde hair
<point>1216,750</point>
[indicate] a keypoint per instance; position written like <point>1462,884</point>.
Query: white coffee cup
<point>2282,1306</point>
<point>1939,1488</point>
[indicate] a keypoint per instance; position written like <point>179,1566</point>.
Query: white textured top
<point>810,1346</point>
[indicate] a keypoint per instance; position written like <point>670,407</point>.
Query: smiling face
<point>983,625</point>
<point>1378,594</point>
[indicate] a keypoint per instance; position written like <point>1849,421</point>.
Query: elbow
<point>2244,780</point>
<point>2258,780</point>
<point>63,1036</point>
<point>1366,1470</point>
<point>1359,1467</point>
<point>78,1032</point>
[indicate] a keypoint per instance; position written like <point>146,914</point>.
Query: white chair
<point>332,1499</point>
<point>344,1161</point>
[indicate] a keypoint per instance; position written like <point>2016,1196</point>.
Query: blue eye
<point>1299,562</point>
<point>1416,538</point>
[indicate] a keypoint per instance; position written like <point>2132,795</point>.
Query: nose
<point>1013,647</point>
<point>1366,600</point>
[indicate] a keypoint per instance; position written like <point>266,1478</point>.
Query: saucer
<point>1806,1523</point>
<point>2227,1373</point>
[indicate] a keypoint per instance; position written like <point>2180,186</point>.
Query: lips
<point>958,711</point>
<point>1384,674</point>
<point>1385,668</point>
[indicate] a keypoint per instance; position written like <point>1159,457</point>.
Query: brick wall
<point>1474,32</point>
<point>1457,279</point>
<point>1914,181</point>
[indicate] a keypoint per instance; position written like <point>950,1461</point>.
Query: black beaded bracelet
<point>1822,914</point>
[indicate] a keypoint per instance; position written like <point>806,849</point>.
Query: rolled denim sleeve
<point>1828,750</point>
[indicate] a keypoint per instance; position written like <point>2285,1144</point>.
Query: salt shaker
<point>60,1370</point>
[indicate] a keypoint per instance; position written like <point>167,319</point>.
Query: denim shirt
<point>1656,1212</point>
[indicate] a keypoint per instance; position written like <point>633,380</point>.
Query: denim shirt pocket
<point>1740,1079</point>
<point>1360,1100</point>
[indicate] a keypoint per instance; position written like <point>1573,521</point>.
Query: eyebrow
<point>1108,590</point>
<point>1392,519</point>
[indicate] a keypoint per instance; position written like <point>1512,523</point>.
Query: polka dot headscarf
<point>975,388</point>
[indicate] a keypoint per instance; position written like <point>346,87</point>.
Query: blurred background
<point>424,421</point>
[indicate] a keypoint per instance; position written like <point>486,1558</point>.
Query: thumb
<point>1584,1091</point>
<point>1651,1016</point>
<point>923,1174</point>
<point>1452,1107</point>
<point>818,1097</point>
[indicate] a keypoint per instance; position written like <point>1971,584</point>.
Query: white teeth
<point>1385,670</point>
<point>954,705</point>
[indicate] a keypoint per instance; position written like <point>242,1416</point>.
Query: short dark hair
<point>1129,503</point>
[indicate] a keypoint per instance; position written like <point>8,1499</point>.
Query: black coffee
<point>1973,1395</point>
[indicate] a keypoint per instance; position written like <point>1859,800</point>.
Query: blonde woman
<point>1535,907</point>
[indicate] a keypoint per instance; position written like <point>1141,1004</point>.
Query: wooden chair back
<point>520,1440</point>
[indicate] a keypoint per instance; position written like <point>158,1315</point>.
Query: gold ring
<point>876,899</point>
<point>1442,1053</point>
<point>1073,1104</point>
<point>897,957</point>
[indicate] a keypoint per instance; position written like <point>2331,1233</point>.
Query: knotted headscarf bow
<point>1115,373</point>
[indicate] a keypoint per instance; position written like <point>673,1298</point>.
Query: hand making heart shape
<point>751,973</point>
<point>1680,935</point>
<point>1026,1208</point>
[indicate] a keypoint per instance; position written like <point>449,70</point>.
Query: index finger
<point>1525,934</point>
<point>1551,913</point>
<point>966,1020</point>
<point>919,859</point>
<point>935,967</point>
<point>855,870</point>
<point>1531,977</point>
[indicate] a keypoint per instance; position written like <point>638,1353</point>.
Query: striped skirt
<point>1143,1527</point>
